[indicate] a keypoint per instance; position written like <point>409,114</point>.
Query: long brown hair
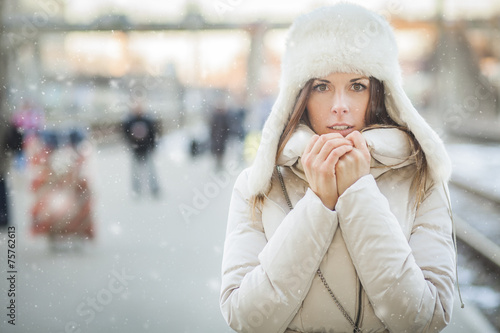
<point>376,117</point>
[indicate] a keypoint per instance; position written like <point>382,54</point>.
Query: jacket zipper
<point>360,300</point>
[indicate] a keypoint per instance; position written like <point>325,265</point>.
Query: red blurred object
<point>62,205</point>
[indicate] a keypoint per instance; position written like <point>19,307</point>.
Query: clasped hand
<point>332,163</point>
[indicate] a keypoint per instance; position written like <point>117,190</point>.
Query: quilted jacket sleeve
<point>409,283</point>
<point>265,281</point>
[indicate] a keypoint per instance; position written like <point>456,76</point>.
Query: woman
<point>331,229</point>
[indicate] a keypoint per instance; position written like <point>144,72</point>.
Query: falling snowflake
<point>115,228</point>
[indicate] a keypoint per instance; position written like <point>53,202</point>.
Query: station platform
<point>151,244</point>
<point>468,320</point>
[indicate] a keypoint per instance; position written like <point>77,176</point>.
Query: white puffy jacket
<point>391,266</point>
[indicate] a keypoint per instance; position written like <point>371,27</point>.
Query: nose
<point>339,103</point>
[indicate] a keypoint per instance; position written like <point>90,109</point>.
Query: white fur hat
<point>344,38</point>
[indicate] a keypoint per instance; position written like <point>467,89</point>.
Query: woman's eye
<point>358,87</point>
<point>321,87</point>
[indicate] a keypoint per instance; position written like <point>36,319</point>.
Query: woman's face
<point>338,103</point>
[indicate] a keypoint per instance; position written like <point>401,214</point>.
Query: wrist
<point>329,202</point>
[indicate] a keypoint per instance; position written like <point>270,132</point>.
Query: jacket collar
<point>390,148</point>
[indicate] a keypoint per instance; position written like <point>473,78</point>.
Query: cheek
<point>312,111</point>
<point>360,106</point>
<point>317,107</point>
<point>316,116</point>
<point>359,102</point>
<point>358,112</point>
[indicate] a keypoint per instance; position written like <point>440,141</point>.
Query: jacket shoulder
<point>241,183</point>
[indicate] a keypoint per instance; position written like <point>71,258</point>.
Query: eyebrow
<point>360,78</point>
<point>352,80</point>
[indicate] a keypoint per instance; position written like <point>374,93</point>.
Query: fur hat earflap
<point>344,38</point>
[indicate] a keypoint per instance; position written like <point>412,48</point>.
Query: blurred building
<point>88,61</point>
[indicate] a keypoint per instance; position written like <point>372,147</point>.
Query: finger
<point>358,140</point>
<point>337,153</point>
<point>317,146</point>
<point>360,143</point>
<point>320,147</point>
<point>331,145</point>
<point>333,136</point>
<point>311,143</point>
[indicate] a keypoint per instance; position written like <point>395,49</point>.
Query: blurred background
<point>124,124</point>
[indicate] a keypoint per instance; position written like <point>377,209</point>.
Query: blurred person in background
<point>343,222</point>
<point>237,117</point>
<point>141,135</point>
<point>30,120</point>
<point>219,133</point>
<point>237,132</point>
<point>11,143</point>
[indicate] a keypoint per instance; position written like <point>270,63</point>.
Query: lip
<point>343,132</point>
